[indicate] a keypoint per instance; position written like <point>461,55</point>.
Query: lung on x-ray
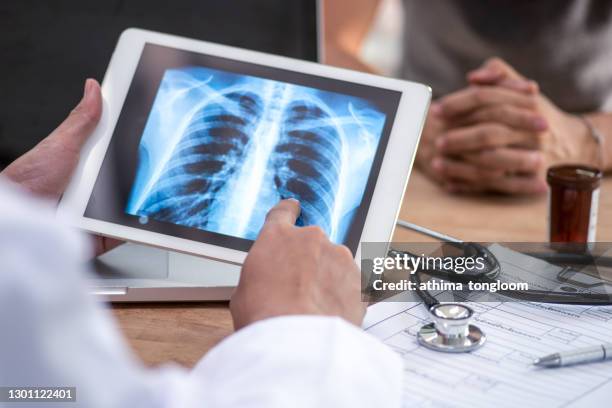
<point>220,149</point>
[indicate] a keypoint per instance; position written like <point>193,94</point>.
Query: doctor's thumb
<point>82,120</point>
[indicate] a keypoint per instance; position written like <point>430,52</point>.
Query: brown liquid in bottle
<point>574,196</point>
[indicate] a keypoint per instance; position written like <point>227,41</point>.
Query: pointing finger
<point>285,212</point>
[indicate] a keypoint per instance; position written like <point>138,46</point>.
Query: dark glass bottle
<point>574,199</point>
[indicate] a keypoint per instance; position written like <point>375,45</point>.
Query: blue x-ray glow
<point>220,149</point>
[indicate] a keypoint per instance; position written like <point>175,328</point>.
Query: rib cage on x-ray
<point>274,139</point>
<point>307,162</point>
<point>187,191</point>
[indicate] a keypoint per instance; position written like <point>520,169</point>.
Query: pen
<point>578,356</point>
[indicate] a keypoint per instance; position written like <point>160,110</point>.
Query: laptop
<point>55,46</point>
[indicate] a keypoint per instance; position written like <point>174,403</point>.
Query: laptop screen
<point>50,47</point>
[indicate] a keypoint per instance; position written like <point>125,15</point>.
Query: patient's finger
<point>527,86</point>
<point>508,159</point>
<point>285,212</point>
<point>521,85</point>
<point>480,137</point>
<point>455,169</point>
<point>493,70</point>
<point>469,99</point>
<point>505,114</point>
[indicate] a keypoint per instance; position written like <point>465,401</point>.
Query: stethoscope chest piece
<point>451,331</point>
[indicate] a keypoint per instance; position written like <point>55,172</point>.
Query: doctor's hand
<point>46,169</point>
<point>296,271</point>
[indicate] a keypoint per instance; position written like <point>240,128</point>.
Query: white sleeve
<point>303,361</point>
<point>53,333</point>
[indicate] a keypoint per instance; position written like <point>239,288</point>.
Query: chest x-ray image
<point>220,149</point>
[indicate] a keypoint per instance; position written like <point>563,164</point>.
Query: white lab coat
<point>52,333</point>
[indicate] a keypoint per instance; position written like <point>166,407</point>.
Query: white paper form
<point>500,374</point>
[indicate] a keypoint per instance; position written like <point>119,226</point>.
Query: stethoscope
<point>451,331</point>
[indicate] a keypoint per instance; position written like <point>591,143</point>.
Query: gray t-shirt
<point>565,45</point>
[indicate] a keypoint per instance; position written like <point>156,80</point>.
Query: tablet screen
<point>205,146</point>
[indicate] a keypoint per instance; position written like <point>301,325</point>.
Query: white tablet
<point>197,141</point>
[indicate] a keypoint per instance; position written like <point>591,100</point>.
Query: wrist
<point>245,314</point>
<point>579,145</point>
<point>596,153</point>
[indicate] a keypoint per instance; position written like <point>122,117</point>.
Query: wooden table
<point>184,332</point>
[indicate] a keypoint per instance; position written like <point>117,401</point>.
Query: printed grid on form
<point>500,374</point>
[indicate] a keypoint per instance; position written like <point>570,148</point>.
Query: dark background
<point>48,48</point>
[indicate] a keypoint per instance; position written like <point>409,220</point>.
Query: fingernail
<point>540,123</point>
<point>440,142</point>
<point>294,200</point>
<point>88,85</point>
<point>87,91</point>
